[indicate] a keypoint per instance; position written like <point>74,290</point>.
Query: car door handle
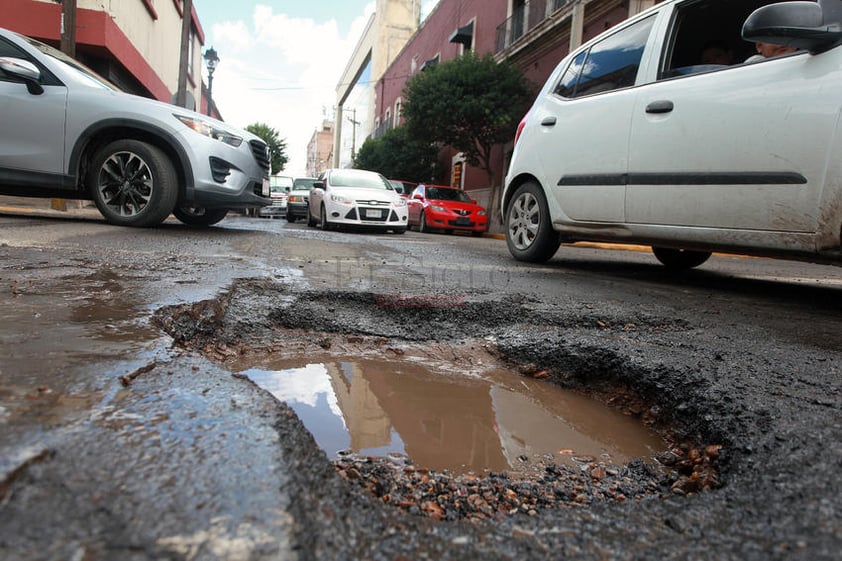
<point>660,106</point>
<point>548,122</point>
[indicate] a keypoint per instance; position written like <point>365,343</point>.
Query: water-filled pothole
<point>496,420</point>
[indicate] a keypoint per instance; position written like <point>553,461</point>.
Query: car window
<point>303,184</point>
<point>353,178</point>
<point>704,27</point>
<point>447,194</point>
<point>607,65</point>
<point>8,50</point>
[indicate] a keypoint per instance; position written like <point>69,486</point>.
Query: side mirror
<point>794,24</point>
<point>418,196</point>
<point>473,201</point>
<point>318,185</point>
<point>24,71</point>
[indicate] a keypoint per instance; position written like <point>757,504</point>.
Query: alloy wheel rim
<point>524,220</point>
<point>125,183</point>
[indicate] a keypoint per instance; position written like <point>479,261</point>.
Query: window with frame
<point>701,28</point>
<point>608,65</point>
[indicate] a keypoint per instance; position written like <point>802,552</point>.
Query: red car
<point>446,208</point>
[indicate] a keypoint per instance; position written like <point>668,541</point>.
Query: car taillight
<point>520,127</point>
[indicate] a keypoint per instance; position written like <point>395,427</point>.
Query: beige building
<point>387,32</point>
<point>320,149</point>
<point>135,44</point>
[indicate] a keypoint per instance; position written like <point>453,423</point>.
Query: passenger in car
<point>768,50</point>
<point>717,52</point>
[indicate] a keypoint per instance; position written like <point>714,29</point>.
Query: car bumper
<point>451,221</point>
<point>297,210</point>
<point>383,217</point>
<point>224,176</point>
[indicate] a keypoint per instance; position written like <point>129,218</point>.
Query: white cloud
<point>281,71</point>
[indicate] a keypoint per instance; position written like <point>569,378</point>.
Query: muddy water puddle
<point>495,420</point>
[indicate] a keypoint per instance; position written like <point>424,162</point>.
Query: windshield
<point>442,194</point>
<point>78,70</point>
<point>303,183</point>
<point>358,178</point>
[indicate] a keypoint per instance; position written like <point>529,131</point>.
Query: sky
<point>281,60</point>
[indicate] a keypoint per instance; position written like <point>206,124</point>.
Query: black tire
<point>199,216</point>
<point>133,183</point>
<point>422,223</point>
<point>680,259</point>
<point>290,219</point>
<point>529,231</point>
<point>323,223</point>
<point>310,221</point>
<point>399,230</point>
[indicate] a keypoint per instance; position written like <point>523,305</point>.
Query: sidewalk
<point>44,207</point>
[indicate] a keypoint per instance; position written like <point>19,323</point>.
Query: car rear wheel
<point>199,216</point>
<point>680,259</point>
<point>133,183</point>
<point>529,231</point>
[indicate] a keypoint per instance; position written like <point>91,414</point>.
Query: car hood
<point>361,194</point>
<point>456,205</point>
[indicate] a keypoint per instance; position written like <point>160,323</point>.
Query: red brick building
<point>532,34</point>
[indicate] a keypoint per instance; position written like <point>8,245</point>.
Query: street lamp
<point>211,60</point>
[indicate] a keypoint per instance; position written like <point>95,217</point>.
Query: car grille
<point>260,151</point>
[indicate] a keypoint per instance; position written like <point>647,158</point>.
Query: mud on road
<point>754,425</point>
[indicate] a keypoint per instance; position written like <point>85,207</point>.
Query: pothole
<point>441,425</point>
<point>462,422</point>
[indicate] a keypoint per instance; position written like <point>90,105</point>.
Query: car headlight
<point>342,199</point>
<point>206,128</point>
<point>296,199</point>
<point>400,202</point>
<point>481,213</point>
<point>438,208</point>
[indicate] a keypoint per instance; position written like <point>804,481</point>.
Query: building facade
<point>135,44</point>
<point>534,35</point>
<point>320,149</point>
<point>391,25</point>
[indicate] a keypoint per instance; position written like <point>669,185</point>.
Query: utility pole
<point>68,27</point>
<point>67,31</point>
<point>354,124</point>
<point>183,61</point>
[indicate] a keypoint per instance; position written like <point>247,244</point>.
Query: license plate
<point>369,213</point>
<point>463,221</point>
<point>265,187</point>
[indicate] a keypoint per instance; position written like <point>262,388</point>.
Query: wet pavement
<point>128,431</point>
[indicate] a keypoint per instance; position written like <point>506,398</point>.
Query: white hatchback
<point>635,139</point>
<point>354,197</point>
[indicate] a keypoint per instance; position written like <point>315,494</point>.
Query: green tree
<point>470,103</point>
<point>397,155</point>
<point>277,146</point>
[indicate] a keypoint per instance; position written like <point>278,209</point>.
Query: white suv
<point>68,133</point>
<point>633,139</point>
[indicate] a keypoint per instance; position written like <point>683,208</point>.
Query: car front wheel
<point>422,223</point>
<point>680,259</point>
<point>199,216</point>
<point>133,183</point>
<point>529,231</point>
<point>323,223</point>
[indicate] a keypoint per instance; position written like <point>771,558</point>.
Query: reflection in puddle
<point>459,423</point>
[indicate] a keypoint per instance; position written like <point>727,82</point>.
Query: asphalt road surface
<point>126,436</point>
